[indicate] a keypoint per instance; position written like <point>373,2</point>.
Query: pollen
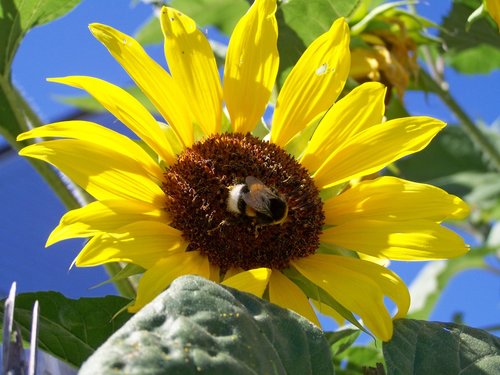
<point>197,187</point>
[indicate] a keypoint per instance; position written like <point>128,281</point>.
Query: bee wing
<point>260,202</point>
<point>259,196</point>
<point>253,181</point>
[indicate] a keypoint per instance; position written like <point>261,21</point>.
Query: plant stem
<point>476,135</point>
<point>17,116</point>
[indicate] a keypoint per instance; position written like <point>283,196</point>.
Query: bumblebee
<point>255,200</point>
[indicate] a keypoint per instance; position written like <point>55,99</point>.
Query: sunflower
<point>387,56</point>
<point>393,66</point>
<point>163,203</point>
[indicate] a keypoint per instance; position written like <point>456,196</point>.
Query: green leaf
<point>198,326</point>
<point>298,143</point>
<point>360,26</point>
<point>150,32</point>
<point>435,276</point>
<point>85,103</point>
<point>476,50</point>
<point>261,130</point>
<point>420,347</point>
<point>17,17</point>
<point>395,109</point>
<point>341,340</point>
<point>481,59</point>
<point>302,21</point>
<point>357,359</point>
<point>70,329</point>
<point>350,359</point>
<point>223,14</point>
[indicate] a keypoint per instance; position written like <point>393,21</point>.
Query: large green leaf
<point>302,21</point>
<point>420,347</point>
<point>476,50</point>
<point>198,326</point>
<point>17,17</point>
<point>70,329</point>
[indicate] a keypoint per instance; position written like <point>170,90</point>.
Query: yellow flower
<point>170,214</point>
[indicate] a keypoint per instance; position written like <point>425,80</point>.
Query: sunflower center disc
<point>197,188</point>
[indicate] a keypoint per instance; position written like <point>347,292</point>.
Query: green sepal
<point>130,269</point>
<point>318,294</point>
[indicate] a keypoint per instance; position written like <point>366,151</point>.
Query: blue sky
<point>30,210</point>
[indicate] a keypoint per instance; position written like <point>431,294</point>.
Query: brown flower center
<point>197,187</point>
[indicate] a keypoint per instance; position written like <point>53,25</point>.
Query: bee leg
<point>223,222</point>
<point>257,228</point>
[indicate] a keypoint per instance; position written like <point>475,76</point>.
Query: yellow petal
<point>151,78</point>
<point>166,270</point>
<point>251,65</point>
<point>314,83</point>
<point>192,64</point>
<point>408,240</point>
<point>127,109</point>
<point>252,281</point>
<point>384,262</point>
<point>101,171</point>
<point>376,147</point>
<point>91,132</point>
<point>361,108</point>
<point>104,216</point>
<point>285,293</point>
<point>390,198</point>
<point>391,284</point>
<point>142,243</point>
<point>359,286</point>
